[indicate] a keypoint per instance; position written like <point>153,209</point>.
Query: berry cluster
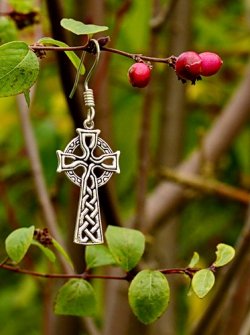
<point>191,66</point>
<point>188,66</point>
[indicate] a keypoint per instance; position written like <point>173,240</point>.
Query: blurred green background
<point>221,26</point>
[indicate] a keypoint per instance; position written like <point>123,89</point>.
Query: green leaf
<point>47,252</point>
<point>202,282</point>
<point>98,255</point>
<point>27,97</point>
<point>71,54</point>
<point>80,28</point>
<point>19,68</point>
<point>149,295</point>
<point>18,243</point>
<point>76,297</point>
<point>126,246</point>
<point>194,260</point>
<point>224,254</point>
<point>63,252</point>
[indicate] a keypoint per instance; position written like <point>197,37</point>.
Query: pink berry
<point>210,63</point>
<point>188,66</point>
<point>139,75</point>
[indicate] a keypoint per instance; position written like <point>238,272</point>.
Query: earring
<point>88,229</point>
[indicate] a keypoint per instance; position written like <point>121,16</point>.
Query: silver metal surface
<point>82,170</point>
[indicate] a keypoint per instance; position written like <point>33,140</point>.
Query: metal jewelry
<point>80,154</point>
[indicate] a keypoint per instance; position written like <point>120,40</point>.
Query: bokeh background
<point>166,131</point>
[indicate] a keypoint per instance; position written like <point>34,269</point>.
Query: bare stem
<point>84,275</point>
<point>207,185</point>
<point>144,147</point>
<point>167,60</point>
<point>87,276</point>
<point>38,176</point>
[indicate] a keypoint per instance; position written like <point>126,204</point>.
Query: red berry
<point>139,74</point>
<point>210,63</point>
<point>188,66</point>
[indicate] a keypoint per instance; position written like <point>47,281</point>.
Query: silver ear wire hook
<point>97,47</point>
<point>88,94</point>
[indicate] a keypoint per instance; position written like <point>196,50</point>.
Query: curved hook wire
<point>88,93</point>
<point>94,64</point>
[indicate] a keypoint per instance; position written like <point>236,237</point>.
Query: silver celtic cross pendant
<point>87,168</point>
<point>88,228</point>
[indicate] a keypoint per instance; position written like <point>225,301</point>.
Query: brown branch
<point>87,276</point>
<point>36,167</point>
<point>143,160</point>
<point>84,275</point>
<point>38,175</point>
<point>167,196</point>
<point>144,146</point>
<point>167,60</point>
<point>134,56</point>
<point>206,185</point>
<point>67,73</point>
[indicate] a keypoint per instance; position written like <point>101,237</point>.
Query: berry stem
<point>168,60</point>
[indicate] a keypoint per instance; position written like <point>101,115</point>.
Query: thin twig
<point>144,147</point>
<point>37,172</point>
<point>166,60</point>
<point>88,276</point>
<point>84,275</point>
<point>206,185</point>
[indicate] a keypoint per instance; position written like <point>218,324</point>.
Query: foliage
<point>80,28</point>
<point>18,243</point>
<point>148,292</point>
<point>149,295</point>
<point>202,282</point>
<point>19,69</point>
<point>126,246</point>
<point>224,254</point>
<point>76,297</point>
<point>71,55</point>
<point>206,220</point>
<point>98,255</point>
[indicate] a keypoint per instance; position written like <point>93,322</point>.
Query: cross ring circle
<point>101,144</point>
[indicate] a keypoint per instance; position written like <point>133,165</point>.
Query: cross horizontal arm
<point>76,162</point>
<point>112,162</point>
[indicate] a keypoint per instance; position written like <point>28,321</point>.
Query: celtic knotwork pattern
<point>88,226</point>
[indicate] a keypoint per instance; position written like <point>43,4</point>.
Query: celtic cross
<point>88,228</point>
